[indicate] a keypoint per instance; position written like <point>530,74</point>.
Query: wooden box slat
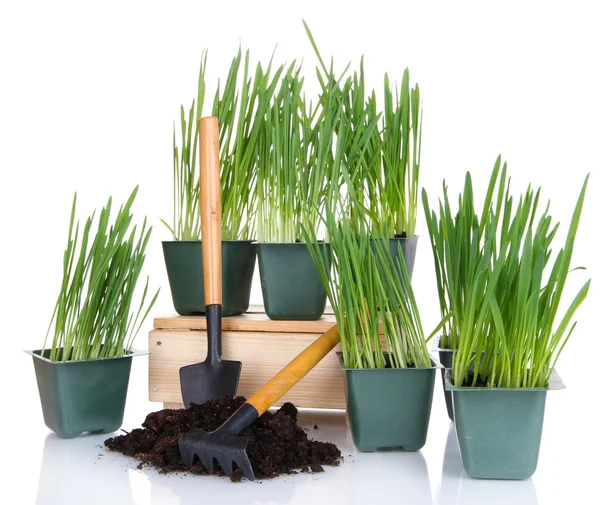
<point>247,322</point>
<point>262,355</point>
<point>255,321</point>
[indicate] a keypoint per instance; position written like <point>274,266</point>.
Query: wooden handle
<point>294,371</point>
<point>210,209</point>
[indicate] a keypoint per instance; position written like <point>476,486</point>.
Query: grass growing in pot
<point>397,177</point>
<point>241,113</point>
<point>294,166</point>
<point>511,338</point>
<point>239,104</point>
<point>186,203</point>
<point>463,242</point>
<point>384,178</point>
<point>93,316</point>
<point>82,375</point>
<point>523,337</point>
<point>389,374</point>
<point>295,160</point>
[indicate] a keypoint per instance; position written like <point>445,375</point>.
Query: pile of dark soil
<point>277,445</point>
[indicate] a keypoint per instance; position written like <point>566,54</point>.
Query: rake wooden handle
<point>294,371</point>
<point>210,209</point>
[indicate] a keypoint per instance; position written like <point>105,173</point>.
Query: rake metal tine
<point>208,462</point>
<point>187,456</point>
<point>243,463</point>
<point>226,464</point>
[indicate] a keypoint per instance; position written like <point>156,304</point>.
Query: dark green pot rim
<point>412,237</point>
<point>434,366</point>
<point>257,243</point>
<point>38,355</point>
<point>554,384</point>
<point>196,241</point>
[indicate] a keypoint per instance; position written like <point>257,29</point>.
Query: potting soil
<point>276,444</point>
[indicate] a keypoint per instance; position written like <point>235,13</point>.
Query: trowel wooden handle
<point>294,371</point>
<point>210,209</point>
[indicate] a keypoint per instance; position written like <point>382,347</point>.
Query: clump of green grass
<point>463,241</point>
<point>95,315</point>
<point>497,273</point>
<point>186,194</point>
<point>370,293</point>
<point>371,297</point>
<point>384,178</point>
<point>240,106</point>
<point>295,162</point>
<point>526,336</point>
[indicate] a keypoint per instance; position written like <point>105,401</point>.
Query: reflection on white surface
<point>82,470</point>
<point>79,470</point>
<point>365,478</point>
<point>383,477</point>
<point>457,487</point>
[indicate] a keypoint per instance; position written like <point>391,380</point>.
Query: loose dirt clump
<point>276,444</point>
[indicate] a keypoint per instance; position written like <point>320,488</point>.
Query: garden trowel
<point>214,377</point>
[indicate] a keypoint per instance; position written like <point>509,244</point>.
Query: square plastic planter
<point>389,407</point>
<point>81,396</point>
<point>499,430</point>
<point>291,286</point>
<point>183,260</point>
<point>408,247</point>
<point>446,357</point>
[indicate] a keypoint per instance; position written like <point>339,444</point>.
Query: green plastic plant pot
<point>499,430</point>
<point>408,246</point>
<point>389,407</point>
<point>82,396</point>
<point>291,286</point>
<point>186,278</point>
<point>446,359</point>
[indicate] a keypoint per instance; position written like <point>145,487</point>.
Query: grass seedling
<point>370,294</point>
<point>497,273</point>
<point>385,177</point>
<point>463,242</point>
<point>240,105</point>
<point>295,162</point>
<point>94,316</point>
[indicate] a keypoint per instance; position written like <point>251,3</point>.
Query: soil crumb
<point>276,444</point>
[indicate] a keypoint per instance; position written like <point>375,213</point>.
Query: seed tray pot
<point>499,430</point>
<point>82,396</point>
<point>408,246</point>
<point>405,245</point>
<point>183,260</point>
<point>446,357</point>
<point>291,286</point>
<point>389,407</point>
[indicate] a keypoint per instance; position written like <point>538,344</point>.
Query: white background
<point>89,92</point>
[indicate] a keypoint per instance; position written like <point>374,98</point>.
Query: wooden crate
<point>262,345</point>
